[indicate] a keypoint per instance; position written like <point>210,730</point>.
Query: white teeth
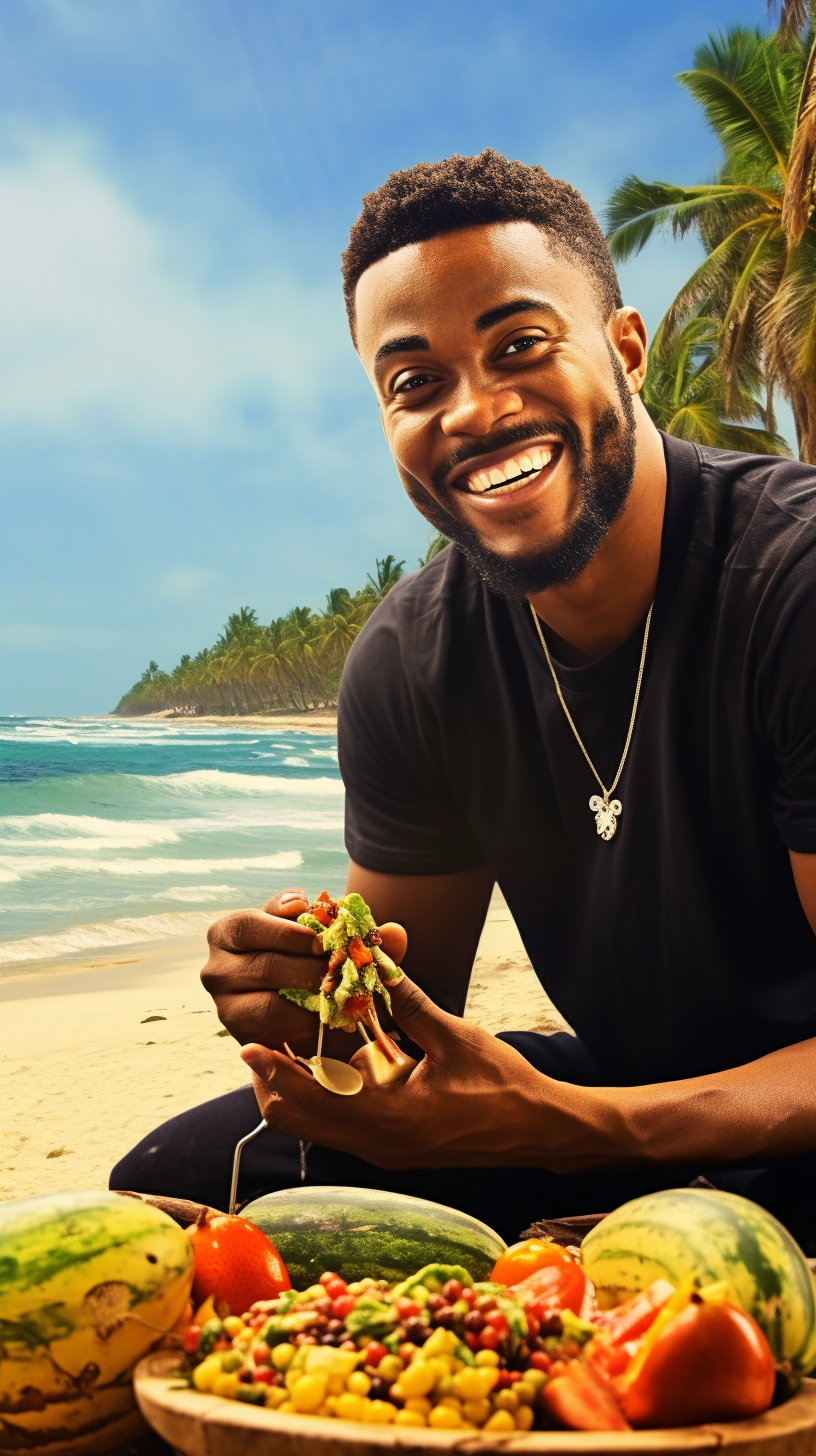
<point>512,470</point>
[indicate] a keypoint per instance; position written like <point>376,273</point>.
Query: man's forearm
<point>766,1109</point>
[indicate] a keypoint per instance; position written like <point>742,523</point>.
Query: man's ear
<point>627,335</point>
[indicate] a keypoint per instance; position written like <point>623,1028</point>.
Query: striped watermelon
<point>709,1236</point>
<point>88,1283</point>
<point>359,1232</point>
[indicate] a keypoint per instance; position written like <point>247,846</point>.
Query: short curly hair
<point>433,198</point>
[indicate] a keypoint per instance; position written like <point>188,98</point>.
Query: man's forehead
<point>464,275</point>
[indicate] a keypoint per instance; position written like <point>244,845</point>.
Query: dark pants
<point>191,1157</point>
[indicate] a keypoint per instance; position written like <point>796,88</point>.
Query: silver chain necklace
<point>606,810</point>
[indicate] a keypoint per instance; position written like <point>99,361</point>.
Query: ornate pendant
<point>606,814</point>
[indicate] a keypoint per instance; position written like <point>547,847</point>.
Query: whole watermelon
<point>360,1232</point>
<point>88,1283</point>
<point>707,1236</point>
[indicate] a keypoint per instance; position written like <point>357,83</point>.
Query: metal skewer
<point>236,1163</point>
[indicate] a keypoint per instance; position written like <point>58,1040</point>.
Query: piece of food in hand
<point>358,970</point>
<point>709,1362</point>
<point>234,1262</point>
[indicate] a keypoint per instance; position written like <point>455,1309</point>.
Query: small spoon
<point>337,1077</point>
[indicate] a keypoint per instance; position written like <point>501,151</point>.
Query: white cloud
<point>110,315</point>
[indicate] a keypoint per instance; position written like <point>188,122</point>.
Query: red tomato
<point>498,1321</point>
<point>342,1306</point>
<point>579,1397</point>
<point>521,1260</point>
<point>554,1287</point>
<point>327,1278</point>
<point>335,1287</point>
<point>375,1352</point>
<point>710,1363</point>
<point>489,1339</point>
<point>191,1335</point>
<point>235,1262</point>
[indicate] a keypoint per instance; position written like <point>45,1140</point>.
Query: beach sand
<point>85,1072</point>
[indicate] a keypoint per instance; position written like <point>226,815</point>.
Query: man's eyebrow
<point>400,346</point>
<point>493,316</point>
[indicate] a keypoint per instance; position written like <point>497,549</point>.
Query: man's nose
<point>476,408</point>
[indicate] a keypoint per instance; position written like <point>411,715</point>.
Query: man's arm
<point>474,1101</point>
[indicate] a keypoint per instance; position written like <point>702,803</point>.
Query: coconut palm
<point>684,392</point>
<point>388,572</point>
<point>756,219</point>
<point>436,543</point>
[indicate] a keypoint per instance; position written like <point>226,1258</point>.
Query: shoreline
<point>86,1071</point>
<point>311,720</point>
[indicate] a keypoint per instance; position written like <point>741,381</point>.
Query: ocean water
<point>113,832</point>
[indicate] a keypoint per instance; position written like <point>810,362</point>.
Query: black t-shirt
<point>679,946</point>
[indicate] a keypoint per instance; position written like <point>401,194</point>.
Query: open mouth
<point>508,475</point>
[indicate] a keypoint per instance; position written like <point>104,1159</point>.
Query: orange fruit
<point>235,1262</point>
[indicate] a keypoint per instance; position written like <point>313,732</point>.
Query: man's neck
<point>594,614</point>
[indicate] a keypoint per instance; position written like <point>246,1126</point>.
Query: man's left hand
<point>472,1102</point>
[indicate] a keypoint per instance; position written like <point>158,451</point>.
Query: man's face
<point>504,398</point>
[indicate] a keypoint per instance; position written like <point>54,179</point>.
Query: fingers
<point>416,1013</point>
<point>248,930</point>
<point>394,940</point>
<point>291,1091</point>
<point>288,904</point>
<point>226,973</point>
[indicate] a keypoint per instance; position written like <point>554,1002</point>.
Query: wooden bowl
<point>207,1425</point>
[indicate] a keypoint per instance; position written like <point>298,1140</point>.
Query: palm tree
<point>684,392</point>
<point>389,572</point>
<point>436,543</point>
<point>756,219</point>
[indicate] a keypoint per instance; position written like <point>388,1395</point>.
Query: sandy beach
<point>96,1052</point>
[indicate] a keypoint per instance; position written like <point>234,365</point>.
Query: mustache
<point>513,435</point>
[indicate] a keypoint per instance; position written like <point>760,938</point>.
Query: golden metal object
<point>606,812</point>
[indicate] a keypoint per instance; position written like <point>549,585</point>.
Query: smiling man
<point>602,697</point>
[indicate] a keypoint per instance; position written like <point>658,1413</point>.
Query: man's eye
<point>412,381</point>
<point>520,346</point>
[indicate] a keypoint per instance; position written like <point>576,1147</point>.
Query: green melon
<point>709,1236</point>
<point>360,1232</point>
<point>88,1283</point>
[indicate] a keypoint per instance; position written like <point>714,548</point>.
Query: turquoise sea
<point>117,832</point>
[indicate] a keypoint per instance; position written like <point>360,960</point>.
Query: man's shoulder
<point>412,634</point>
<point>772,482</point>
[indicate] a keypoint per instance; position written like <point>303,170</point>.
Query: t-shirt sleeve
<point>790,706</point>
<point>401,813</point>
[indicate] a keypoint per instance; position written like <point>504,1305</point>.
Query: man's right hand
<point>253,953</point>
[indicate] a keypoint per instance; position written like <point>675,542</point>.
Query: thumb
<point>418,1015</point>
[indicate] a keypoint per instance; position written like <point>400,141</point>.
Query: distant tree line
<point>293,663</point>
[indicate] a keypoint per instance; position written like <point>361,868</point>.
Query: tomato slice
<point>556,1287</point>
<point>580,1398</point>
<point>526,1258</point>
<point>631,1320</point>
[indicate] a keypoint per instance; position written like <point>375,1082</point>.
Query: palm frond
<point>739,79</point>
<point>636,208</point>
<point>800,192</point>
<point>793,17</point>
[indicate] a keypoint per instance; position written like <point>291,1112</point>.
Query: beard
<point>603,476</point>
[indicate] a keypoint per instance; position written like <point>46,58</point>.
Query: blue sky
<point>184,426</point>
